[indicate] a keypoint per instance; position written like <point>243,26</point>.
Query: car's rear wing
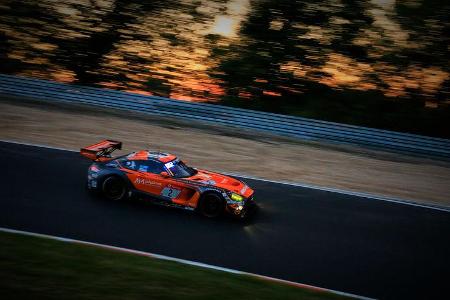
<point>101,150</point>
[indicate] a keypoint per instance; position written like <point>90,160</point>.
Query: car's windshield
<point>179,169</point>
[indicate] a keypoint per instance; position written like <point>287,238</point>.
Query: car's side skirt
<point>159,200</point>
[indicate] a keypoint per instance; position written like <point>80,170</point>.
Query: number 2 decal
<point>170,192</point>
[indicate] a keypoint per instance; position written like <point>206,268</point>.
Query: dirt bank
<point>230,150</point>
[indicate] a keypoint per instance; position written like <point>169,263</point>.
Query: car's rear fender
<point>106,171</point>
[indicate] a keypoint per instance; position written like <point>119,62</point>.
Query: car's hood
<point>221,181</point>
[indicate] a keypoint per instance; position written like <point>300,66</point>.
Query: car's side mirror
<point>164,174</point>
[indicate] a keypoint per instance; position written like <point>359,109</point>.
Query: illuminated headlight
<point>236,197</point>
<point>240,207</point>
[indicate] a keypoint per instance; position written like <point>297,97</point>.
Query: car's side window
<point>130,164</point>
<point>150,166</point>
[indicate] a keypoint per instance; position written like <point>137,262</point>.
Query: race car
<point>164,179</point>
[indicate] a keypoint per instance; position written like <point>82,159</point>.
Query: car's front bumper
<point>242,210</point>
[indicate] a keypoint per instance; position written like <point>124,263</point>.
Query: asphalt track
<point>347,243</point>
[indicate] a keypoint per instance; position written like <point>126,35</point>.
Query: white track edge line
<point>303,185</point>
<point>182,261</point>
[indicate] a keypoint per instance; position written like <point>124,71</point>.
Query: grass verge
<point>37,268</point>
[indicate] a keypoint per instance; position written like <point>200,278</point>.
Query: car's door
<point>145,176</point>
<point>178,191</point>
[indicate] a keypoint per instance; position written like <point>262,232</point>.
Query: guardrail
<point>303,128</point>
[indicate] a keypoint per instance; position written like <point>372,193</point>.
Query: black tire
<point>114,188</point>
<point>211,205</point>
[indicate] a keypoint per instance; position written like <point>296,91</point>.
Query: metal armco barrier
<point>303,128</point>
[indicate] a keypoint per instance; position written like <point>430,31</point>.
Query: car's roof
<point>151,155</point>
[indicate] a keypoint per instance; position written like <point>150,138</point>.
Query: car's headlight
<point>236,197</point>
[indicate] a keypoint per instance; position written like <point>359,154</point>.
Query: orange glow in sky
<point>171,52</point>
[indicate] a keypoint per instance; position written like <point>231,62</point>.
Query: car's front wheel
<point>211,205</point>
<point>114,188</point>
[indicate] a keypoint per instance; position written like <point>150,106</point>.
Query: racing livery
<point>164,179</point>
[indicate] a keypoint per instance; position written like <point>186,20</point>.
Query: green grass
<point>37,268</point>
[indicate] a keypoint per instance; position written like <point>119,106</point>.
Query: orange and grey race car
<point>164,179</point>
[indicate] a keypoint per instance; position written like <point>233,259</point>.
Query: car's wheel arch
<point>209,192</point>
<point>116,173</point>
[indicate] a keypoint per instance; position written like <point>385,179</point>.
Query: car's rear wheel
<point>114,188</point>
<point>211,205</point>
